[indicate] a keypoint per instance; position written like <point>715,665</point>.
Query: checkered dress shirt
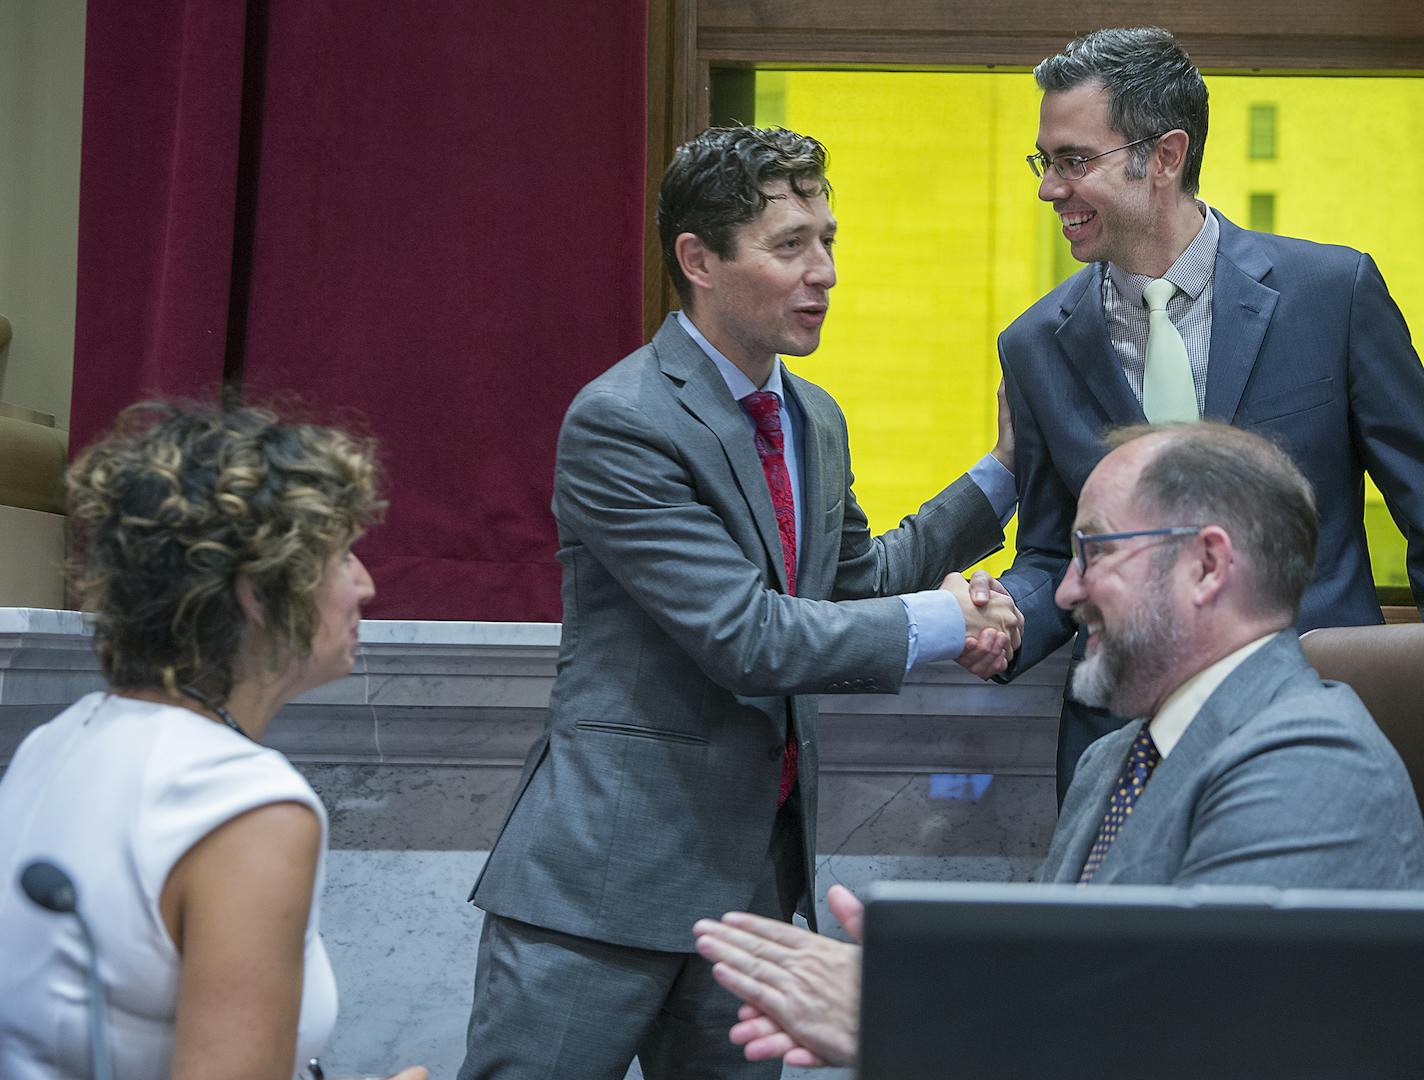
<point>1189,310</point>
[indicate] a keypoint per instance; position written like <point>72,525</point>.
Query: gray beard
<point>1124,673</point>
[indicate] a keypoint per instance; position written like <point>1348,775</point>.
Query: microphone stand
<point>51,888</point>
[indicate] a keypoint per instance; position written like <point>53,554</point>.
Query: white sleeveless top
<point>115,791</point>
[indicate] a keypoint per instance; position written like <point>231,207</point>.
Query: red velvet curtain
<point>162,118</point>
<point>426,216</point>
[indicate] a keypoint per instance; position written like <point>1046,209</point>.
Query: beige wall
<point>41,98</point>
<point>41,88</point>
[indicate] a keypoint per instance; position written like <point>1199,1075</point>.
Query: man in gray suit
<point>718,574</point>
<point>1191,549</point>
<point>1297,340</point>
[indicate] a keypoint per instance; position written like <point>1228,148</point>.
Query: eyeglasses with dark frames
<point>1082,541</point>
<point>1073,167</point>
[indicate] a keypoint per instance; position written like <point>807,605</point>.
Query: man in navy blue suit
<point>1298,341</point>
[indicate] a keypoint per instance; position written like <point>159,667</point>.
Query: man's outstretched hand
<point>801,990</point>
<point>993,625</point>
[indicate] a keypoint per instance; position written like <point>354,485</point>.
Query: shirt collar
<point>1191,272</point>
<point>735,378</point>
<point>1183,703</point>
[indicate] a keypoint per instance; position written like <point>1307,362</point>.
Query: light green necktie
<point>1167,390</point>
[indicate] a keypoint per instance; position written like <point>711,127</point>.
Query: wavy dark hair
<point>177,503</point>
<point>718,180</point>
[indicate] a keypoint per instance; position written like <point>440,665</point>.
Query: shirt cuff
<point>997,484</point>
<point>936,627</point>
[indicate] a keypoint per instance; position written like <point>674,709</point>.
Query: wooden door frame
<point>688,39</point>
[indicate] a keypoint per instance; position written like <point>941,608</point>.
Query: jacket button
<point>776,752</point>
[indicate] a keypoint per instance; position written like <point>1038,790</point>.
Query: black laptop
<point>1051,982</point>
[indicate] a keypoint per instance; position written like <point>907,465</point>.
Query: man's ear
<point>247,600</point>
<point>1212,564</point>
<point>1169,156</point>
<point>696,259</point>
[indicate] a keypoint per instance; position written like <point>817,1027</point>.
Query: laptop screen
<point>1055,982</point>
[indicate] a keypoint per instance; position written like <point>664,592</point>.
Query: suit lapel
<point>813,448</point>
<point>1089,805</point>
<point>1083,337</point>
<point>703,393</point>
<point>1241,309</point>
<point>1243,694</point>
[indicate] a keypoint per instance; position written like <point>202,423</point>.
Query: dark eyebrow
<point>789,230</point>
<point>1069,150</point>
<point>1093,527</point>
<point>799,229</point>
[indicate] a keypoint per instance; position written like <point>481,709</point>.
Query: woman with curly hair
<point>213,549</point>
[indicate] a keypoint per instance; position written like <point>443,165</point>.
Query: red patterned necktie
<point>765,410</point>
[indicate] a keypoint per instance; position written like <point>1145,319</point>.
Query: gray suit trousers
<point>615,1002</point>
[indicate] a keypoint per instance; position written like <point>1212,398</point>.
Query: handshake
<point>993,625</point>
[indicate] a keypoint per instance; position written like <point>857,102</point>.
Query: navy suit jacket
<point>1307,348</point>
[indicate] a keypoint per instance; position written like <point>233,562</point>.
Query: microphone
<point>51,888</point>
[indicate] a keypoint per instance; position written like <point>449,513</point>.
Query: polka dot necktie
<point>1142,758</point>
<point>765,410</point>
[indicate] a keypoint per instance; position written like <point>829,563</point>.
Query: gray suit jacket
<point>649,801</point>
<point>1307,348</point>
<point>1279,780</point>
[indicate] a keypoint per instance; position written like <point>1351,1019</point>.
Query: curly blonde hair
<point>177,503</point>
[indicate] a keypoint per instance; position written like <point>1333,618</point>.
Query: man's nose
<point>821,270</point>
<point>1051,186</point>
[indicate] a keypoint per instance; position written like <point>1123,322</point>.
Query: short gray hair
<point>1152,87</point>
<point>1214,474</point>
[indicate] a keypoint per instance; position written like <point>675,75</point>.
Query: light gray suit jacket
<point>649,801</point>
<point>1280,780</point>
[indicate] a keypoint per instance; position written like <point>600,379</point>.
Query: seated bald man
<point>1191,548</point>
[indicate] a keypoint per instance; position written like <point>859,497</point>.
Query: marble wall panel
<point>413,807</point>
<point>403,940</point>
<point>473,694</point>
<point>417,754</point>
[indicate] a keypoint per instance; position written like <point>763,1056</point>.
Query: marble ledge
<point>49,622</point>
<point>474,694</point>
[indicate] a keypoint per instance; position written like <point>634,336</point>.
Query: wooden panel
<point>677,101</point>
<point>688,37</point>
<point>1378,34</point>
<point>31,571</point>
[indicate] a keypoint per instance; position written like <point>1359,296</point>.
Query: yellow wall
<point>943,242</point>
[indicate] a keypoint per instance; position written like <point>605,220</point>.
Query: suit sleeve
<point>1307,804</point>
<point>955,529</point>
<point>624,492</point>
<point>1387,410</point>
<point>1046,512</point>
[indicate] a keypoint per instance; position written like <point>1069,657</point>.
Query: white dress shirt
<point>1183,703</point>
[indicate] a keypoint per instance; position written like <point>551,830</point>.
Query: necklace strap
<point>213,706</point>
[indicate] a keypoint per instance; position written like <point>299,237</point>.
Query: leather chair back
<point>1385,666</point>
